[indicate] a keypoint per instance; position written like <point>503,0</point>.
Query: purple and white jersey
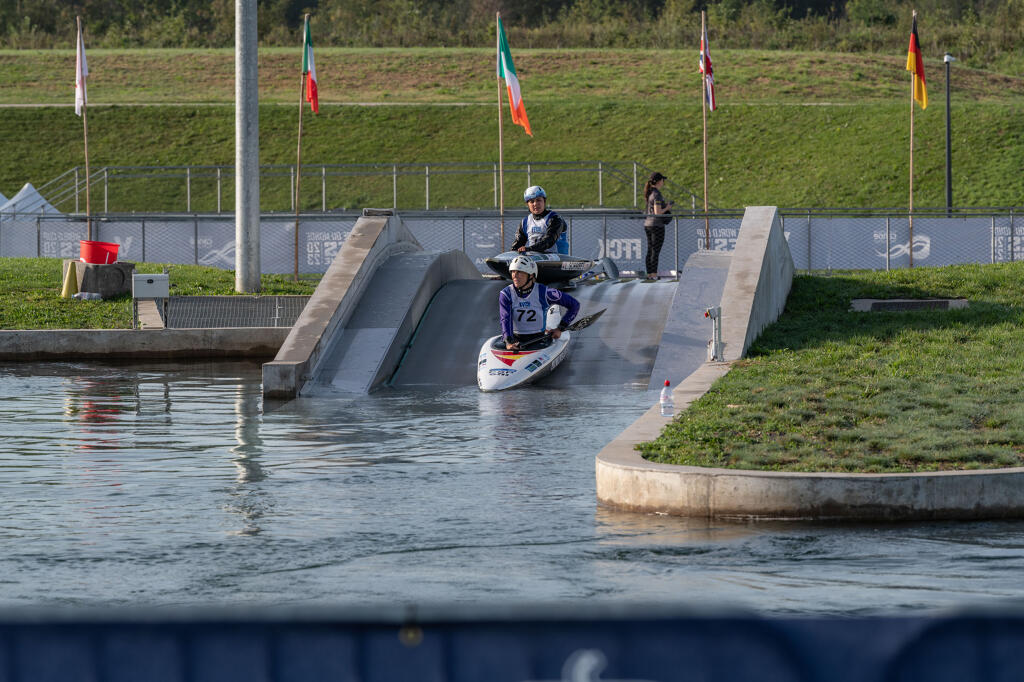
<point>526,314</point>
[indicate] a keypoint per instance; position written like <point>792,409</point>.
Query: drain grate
<point>906,304</point>
<point>209,312</point>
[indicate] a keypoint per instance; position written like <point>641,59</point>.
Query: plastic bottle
<point>668,406</point>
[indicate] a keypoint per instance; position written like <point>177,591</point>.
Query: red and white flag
<point>705,68</point>
<point>309,70</point>
<point>81,73</point>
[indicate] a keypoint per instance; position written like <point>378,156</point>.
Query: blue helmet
<point>534,192</point>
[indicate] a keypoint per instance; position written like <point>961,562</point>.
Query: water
<point>168,485</point>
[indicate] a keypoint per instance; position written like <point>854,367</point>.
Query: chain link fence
<point>818,240</point>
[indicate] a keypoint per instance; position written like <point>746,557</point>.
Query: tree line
<point>979,32</point>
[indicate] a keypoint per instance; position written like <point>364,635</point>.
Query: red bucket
<point>102,253</point>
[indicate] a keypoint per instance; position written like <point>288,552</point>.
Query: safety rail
<point>210,188</point>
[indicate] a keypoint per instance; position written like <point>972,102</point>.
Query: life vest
<point>536,229</point>
<point>529,313</point>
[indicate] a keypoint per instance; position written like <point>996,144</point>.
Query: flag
<point>507,70</point>
<point>81,72</point>
<point>309,70</point>
<point>915,64</point>
<point>705,68</point>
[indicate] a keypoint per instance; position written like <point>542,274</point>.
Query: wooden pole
<point>704,111</point>
<point>85,135</point>
<point>910,208</point>
<point>298,156</point>
<point>501,156</point>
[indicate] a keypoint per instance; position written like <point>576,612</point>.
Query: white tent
<point>3,200</point>
<point>28,200</point>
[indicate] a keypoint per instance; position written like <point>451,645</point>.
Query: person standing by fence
<point>655,222</point>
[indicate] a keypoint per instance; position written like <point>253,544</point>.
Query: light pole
<point>948,58</point>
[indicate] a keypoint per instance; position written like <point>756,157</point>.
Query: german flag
<point>915,65</point>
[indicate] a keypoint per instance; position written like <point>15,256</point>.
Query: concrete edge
<point>446,267</point>
<point>372,240</point>
<point>754,296</point>
<point>136,344</point>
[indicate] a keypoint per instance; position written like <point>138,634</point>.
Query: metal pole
<point>808,239</point>
<point>188,190</point>
<point>948,58</point>
<point>600,184</point>
<point>394,186</point>
<point>992,240</point>
<point>247,150</point>
<point>427,180</point>
<point>495,185</point>
<point>218,189</point>
<point>887,242</point>
<point>105,184</point>
<point>634,185</point>
<point>76,189</point>
<point>323,189</point>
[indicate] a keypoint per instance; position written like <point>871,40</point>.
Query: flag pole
<point>298,153</point>
<point>501,150</point>
<point>85,135</point>
<point>910,207</point>
<point>704,111</point>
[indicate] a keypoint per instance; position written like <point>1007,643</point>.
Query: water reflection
<point>249,500</point>
<point>167,484</point>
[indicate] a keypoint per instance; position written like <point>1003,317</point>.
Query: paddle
<point>581,323</point>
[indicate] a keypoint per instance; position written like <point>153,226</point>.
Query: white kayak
<point>498,368</point>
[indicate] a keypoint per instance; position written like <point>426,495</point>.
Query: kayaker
<point>542,230</point>
<point>523,305</point>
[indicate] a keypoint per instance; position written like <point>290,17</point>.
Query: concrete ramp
<point>618,350</point>
<point>364,354</point>
<point>683,346</point>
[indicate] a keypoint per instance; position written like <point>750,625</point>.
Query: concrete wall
<point>759,279</point>
<point>366,353</point>
<point>373,239</point>
<point>135,344</point>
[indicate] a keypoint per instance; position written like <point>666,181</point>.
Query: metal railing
<point>188,189</point>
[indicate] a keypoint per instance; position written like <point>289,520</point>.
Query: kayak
<point>552,268</point>
<point>499,369</point>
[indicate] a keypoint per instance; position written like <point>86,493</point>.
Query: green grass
<point>825,389</point>
<point>30,293</point>
<point>809,130</point>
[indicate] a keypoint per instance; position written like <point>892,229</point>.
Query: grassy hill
<point>792,129</point>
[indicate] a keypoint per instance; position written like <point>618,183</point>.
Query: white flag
<point>81,73</point>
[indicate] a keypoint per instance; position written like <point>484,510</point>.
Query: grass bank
<point>826,389</point>
<point>30,293</point>
<point>810,130</point>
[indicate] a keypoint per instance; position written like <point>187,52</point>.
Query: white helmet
<point>533,192</point>
<point>523,264</point>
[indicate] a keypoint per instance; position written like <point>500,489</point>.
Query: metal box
<point>150,286</point>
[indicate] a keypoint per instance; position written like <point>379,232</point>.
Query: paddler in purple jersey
<point>523,305</point>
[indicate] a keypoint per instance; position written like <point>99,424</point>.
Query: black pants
<point>655,238</point>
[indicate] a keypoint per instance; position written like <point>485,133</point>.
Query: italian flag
<point>309,69</point>
<point>507,70</point>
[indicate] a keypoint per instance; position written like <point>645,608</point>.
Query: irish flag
<point>507,70</point>
<point>309,69</point>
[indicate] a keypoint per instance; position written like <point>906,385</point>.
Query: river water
<point>170,485</point>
